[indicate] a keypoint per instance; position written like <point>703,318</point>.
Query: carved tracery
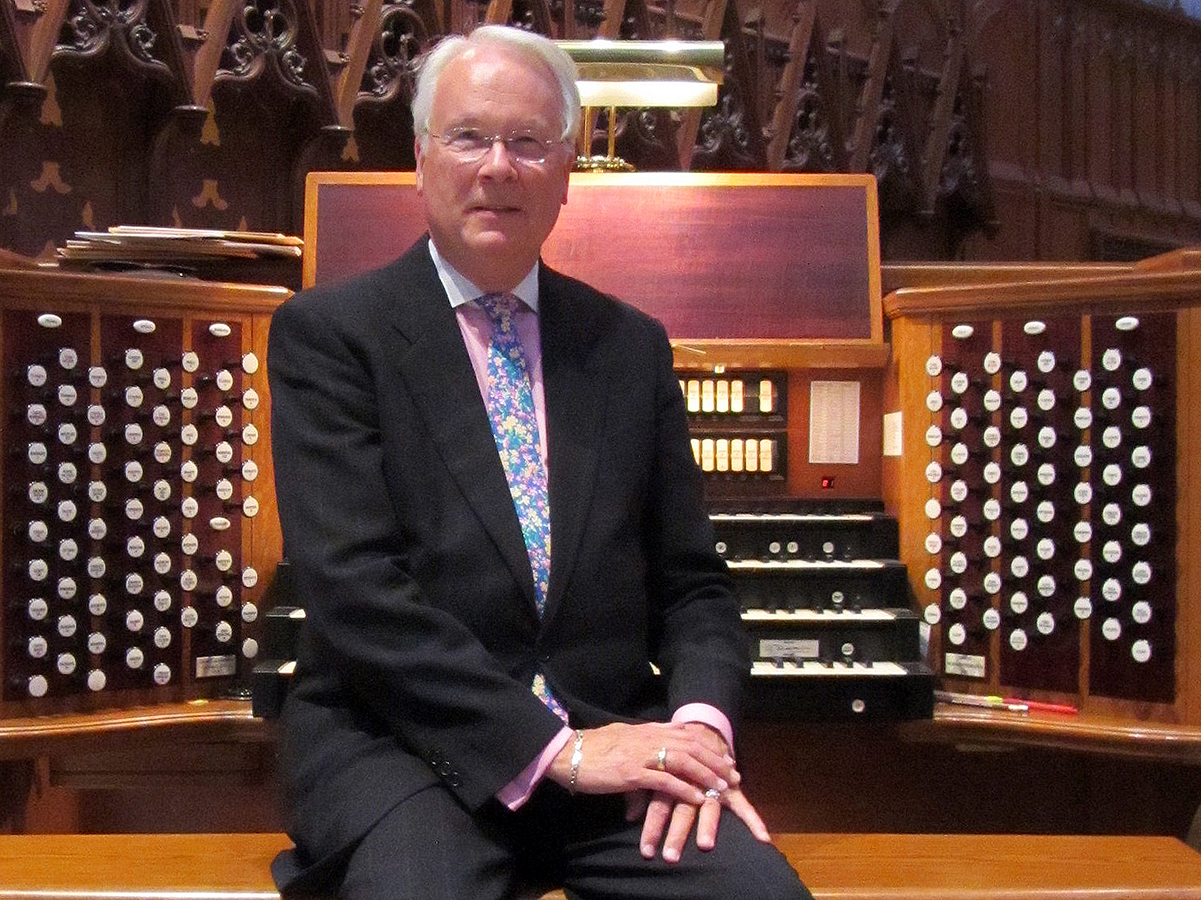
<point>90,28</point>
<point>265,31</point>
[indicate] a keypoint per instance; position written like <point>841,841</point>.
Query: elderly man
<point>522,658</point>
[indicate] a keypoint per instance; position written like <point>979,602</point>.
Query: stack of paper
<point>144,244</point>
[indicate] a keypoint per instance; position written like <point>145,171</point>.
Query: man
<point>474,702</point>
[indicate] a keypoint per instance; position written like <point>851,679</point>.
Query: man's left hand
<point>670,821</point>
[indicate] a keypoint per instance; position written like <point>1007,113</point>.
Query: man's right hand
<point>620,758</point>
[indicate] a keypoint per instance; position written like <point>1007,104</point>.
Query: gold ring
<point>662,759</point>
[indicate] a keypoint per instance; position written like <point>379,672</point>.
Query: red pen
<point>1040,706</point>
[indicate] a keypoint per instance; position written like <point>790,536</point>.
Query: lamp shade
<point>647,73</point>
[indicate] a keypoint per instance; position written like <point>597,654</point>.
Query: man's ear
<point>419,158</point>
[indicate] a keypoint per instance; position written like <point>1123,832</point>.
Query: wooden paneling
<point>671,244</point>
<point>997,130</point>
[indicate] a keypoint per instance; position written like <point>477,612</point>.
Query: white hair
<point>534,47</point>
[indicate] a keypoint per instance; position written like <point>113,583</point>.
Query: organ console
<point>989,486</point>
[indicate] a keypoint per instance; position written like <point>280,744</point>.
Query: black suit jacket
<point>422,635</point>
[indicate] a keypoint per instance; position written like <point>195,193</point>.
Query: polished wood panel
<point>223,866</point>
<point>997,867</point>
<point>1108,734</point>
<point>675,245</point>
<point>834,866</point>
<point>163,724</point>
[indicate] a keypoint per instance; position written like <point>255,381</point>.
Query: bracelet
<point>577,754</point>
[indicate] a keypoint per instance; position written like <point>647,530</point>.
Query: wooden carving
<point>211,112</point>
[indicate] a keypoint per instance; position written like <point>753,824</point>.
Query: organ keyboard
<point>814,668</point>
<point>826,608</point>
<point>830,639</point>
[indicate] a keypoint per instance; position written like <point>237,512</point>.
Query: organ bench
<point>835,867</point>
<point>140,536</point>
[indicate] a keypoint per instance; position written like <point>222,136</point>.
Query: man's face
<point>489,217</point>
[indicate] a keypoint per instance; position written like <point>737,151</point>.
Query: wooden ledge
<point>211,721</point>
<point>834,866</point>
<point>996,867</point>
<point>711,355</point>
<point>1151,291</point>
<point>1084,733</point>
<point>124,292</point>
<point>231,721</point>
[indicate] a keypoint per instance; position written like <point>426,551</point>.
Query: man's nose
<point>498,162</point>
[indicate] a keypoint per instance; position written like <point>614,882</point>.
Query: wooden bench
<point>835,866</point>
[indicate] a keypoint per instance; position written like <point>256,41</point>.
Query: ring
<point>662,759</point>
<point>713,794</point>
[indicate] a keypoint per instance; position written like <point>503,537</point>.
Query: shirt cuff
<point>707,715</point>
<point>518,791</point>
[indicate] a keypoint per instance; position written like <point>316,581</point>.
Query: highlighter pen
<point>987,702</point>
<point>1040,706</point>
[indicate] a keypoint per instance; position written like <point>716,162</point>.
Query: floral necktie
<point>515,430</point>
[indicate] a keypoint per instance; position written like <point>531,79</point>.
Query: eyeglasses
<point>471,145</point>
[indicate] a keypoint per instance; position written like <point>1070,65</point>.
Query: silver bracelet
<point>577,754</point>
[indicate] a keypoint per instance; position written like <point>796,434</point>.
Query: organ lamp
<point>666,74</point>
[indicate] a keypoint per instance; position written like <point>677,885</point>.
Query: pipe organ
<point>997,494</point>
<point>1045,485</point>
<point>138,538</point>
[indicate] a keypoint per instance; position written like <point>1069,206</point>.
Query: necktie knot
<point>499,307</point>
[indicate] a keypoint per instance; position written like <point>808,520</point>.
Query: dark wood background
<point>998,129</point>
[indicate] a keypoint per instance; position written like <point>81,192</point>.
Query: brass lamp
<point>670,74</point>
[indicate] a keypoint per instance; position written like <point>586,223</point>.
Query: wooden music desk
<point>835,866</point>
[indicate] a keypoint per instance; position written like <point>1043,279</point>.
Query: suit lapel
<point>430,357</point>
<point>574,381</point>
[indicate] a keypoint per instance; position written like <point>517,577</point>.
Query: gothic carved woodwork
<point>209,113</point>
<point>383,128</point>
<point>269,36</point>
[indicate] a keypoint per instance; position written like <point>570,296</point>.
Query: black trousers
<point>431,848</point>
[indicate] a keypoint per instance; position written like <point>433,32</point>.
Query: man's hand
<point>678,761</point>
<point>671,821</point>
<point>622,758</point>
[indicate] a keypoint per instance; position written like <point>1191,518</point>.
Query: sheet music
<point>834,422</point>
